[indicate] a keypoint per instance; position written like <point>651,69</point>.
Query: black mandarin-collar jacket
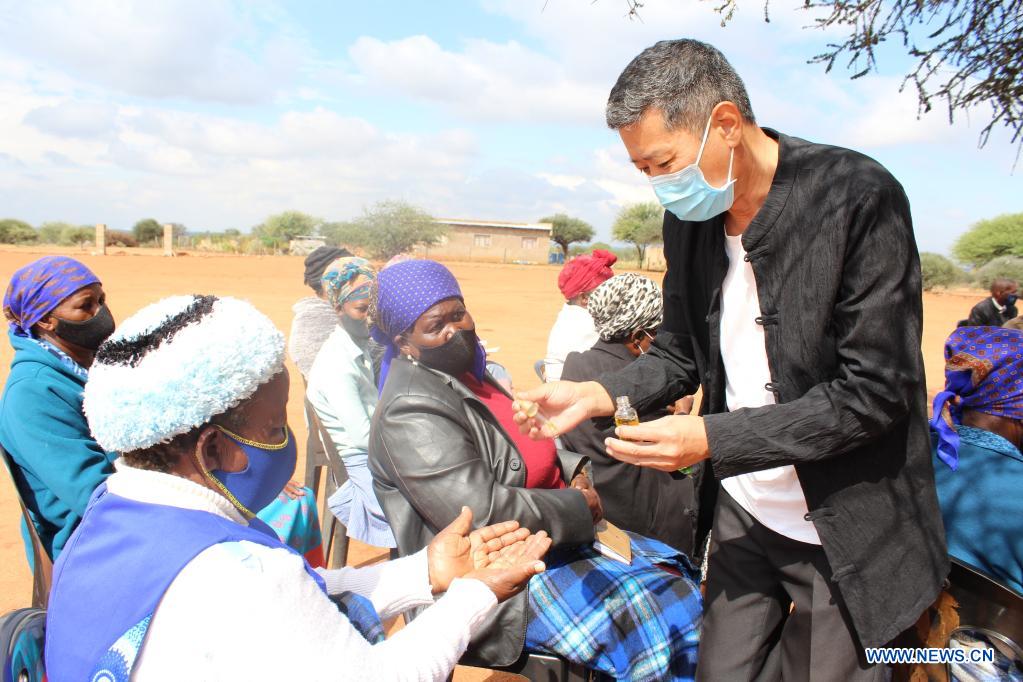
<point>838,277</point>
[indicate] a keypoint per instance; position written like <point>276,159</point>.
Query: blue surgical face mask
<point>263,478</point>
<point>687,194</point>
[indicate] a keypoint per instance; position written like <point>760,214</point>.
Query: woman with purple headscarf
<point>978,464</point>
<point>443,436</point>
<point>58,317</point>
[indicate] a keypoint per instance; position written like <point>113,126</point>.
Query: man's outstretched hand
<point>558,407</point>
<point>666,444</point>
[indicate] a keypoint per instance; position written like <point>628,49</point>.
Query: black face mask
<point>89,333</point>
<point>357,329</point>
<point>455,357</point>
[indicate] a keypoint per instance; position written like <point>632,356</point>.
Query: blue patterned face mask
<point>687,194</point>
<point>263,478</point>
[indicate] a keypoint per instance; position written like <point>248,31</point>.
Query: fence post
<point>101,239</point>
<point>168,239</point>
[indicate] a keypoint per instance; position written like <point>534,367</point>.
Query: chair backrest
<point>334,461</point>
<point>22,636</point>
<point>42,564</point>
<point>990,614</point>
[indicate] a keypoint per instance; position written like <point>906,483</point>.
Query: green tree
<point>49,232</point>
<point>77,235</point>
<point>147,230</point>
<point>640,225</point>
<point>279,229</point>
<point>16,232</point>
<point>389,228</point>
<point>938,271</point>
<point>989,239</point>
<point>1010,267</point>
<point>567,230</point>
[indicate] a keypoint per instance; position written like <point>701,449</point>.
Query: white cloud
<point>196,49</point>
<point>484,81</point>
<point>70,118</point>
<point>566,181</point>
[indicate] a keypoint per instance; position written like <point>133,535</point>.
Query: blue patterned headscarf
<point>404,292</point>
<point>983,372</point>
<point>339,276</point>
<point>39,287</point>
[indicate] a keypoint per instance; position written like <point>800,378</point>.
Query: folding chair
<point>335,535</point>
<point>22,636</point>
<point>315,454</point>
<point>42,565</point>
<point>990,616</point>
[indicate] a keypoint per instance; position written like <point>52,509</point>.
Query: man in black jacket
<point>997,310</point>
<point>793,297</point>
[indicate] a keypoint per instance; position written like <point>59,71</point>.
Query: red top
<point>539,456</point>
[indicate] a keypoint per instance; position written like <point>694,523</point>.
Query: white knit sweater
<point>242,611</point>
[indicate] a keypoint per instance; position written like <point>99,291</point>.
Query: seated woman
<point>978,466</point>
<point>573,330</point>
<point>171,576</point>
<point>343,393</point>
<point>58,317</point>
<point>627,310</point>
<point>443,437</point>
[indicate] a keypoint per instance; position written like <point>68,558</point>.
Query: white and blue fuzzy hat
<point>174,365</point>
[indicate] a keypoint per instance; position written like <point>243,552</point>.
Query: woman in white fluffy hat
<point>171,576</point>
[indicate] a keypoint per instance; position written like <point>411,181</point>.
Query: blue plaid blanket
<point>632,622</point>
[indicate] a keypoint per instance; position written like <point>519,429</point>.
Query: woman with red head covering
<point>573,331</point>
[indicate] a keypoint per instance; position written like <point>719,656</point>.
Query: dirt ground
<point>514,307</point>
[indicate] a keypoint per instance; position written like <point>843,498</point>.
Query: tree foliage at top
<point>989,239</point>
<point>276,231</point>
<point>938,271</point>
<point>1009,267</point>
<point>966,52</point>
<point>640,225</point>
<point>566,230</point>
<point>14,231</point>
<point>147,230</point>
<point>386,229</point>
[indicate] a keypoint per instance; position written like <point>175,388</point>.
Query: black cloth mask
<point>357,329</point>
<point>455,357</point>
<point>89,334</point>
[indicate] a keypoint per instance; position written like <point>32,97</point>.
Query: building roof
<point>460,222</point>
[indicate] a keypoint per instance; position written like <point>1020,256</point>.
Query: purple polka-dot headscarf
<point>39,287</point>
<point>983,372</point>
<point>404,292</point>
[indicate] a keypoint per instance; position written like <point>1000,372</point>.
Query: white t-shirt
<point>573,332</point>
<point>773,496</point>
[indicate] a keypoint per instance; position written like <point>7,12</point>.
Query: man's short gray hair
<point>684,78</point>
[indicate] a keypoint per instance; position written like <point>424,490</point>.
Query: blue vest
<point>113,573</point>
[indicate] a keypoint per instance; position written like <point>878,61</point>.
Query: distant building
<point>491,241</point>
<point>303,245</point>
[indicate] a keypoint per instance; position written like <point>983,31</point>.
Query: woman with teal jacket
<point>58,317</point>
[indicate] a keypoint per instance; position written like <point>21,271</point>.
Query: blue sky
<point>215,114</point>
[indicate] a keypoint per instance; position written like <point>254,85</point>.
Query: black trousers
<point>771,611</point>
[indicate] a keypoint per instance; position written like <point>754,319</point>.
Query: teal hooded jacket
<point>57,464</point>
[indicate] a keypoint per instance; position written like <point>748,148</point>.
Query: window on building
<point>481,241</point>
<point>529,242</point>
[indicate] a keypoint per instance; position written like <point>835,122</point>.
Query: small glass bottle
<point>625,415</point>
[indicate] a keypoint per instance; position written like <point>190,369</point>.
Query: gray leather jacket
<point>434,447</point>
